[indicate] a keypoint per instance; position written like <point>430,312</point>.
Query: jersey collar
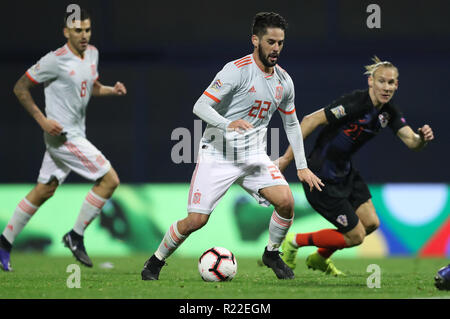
<point>70,50</point>
<point>266,75</point>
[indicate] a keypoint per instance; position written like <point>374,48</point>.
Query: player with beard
<point>70,77</point>
<point>237,106</point>
<point>348,123</point>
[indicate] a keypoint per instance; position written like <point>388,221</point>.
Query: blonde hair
<point>372,68</point>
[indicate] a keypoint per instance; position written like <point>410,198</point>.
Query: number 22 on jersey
<point>257,110</point>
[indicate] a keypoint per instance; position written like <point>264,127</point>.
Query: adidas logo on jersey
<point>252,90</point>
<point>72,73</point>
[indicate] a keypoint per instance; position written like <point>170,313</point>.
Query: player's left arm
<point>416,141</point>
<point>103,90</point>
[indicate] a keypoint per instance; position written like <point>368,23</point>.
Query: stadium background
<point>166,54</point>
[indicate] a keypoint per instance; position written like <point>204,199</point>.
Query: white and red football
<point>217,264</point>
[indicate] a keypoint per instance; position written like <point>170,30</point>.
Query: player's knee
<point>110,181</point>
<point>46,191</point>
<point>373,226</point>
<point>355,238</point>
<point>115,182</point>
<point>285,207</point>
<point>194,222</point>
<point>358,240</point>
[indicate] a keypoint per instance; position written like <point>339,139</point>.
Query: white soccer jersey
<point>68,81</point>
<point>241,90</point>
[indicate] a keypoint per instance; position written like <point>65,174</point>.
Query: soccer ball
<point>442,278</point>
<point>217,264</point>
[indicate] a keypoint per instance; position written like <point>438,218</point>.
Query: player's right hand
<point>426,133</point>
<point>306,176</point>
<point>52,127</point>
<point>239,126</point>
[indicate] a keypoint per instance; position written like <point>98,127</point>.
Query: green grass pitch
<point>37,276</point>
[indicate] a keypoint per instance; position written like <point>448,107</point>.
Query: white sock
<point>278,228</point>
<point>19,219</point>
<point>172,239</point>
<point>90,209</point>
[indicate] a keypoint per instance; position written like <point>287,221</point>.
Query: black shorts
<point>337,203</point>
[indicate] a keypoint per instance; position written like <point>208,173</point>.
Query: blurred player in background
<point>348,123</point>
<point>70,77</point>
<point>237,107</point>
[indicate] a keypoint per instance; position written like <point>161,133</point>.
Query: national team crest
<point>342,219</point>
<point>384,119</point>
<point>197,197</point>
<point>279,92</point>
<point>93,69</point>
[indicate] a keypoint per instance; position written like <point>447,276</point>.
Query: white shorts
<point>212,178</point>
<point>76,154</point>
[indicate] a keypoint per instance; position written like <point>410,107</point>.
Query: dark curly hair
<point>264,20</point>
